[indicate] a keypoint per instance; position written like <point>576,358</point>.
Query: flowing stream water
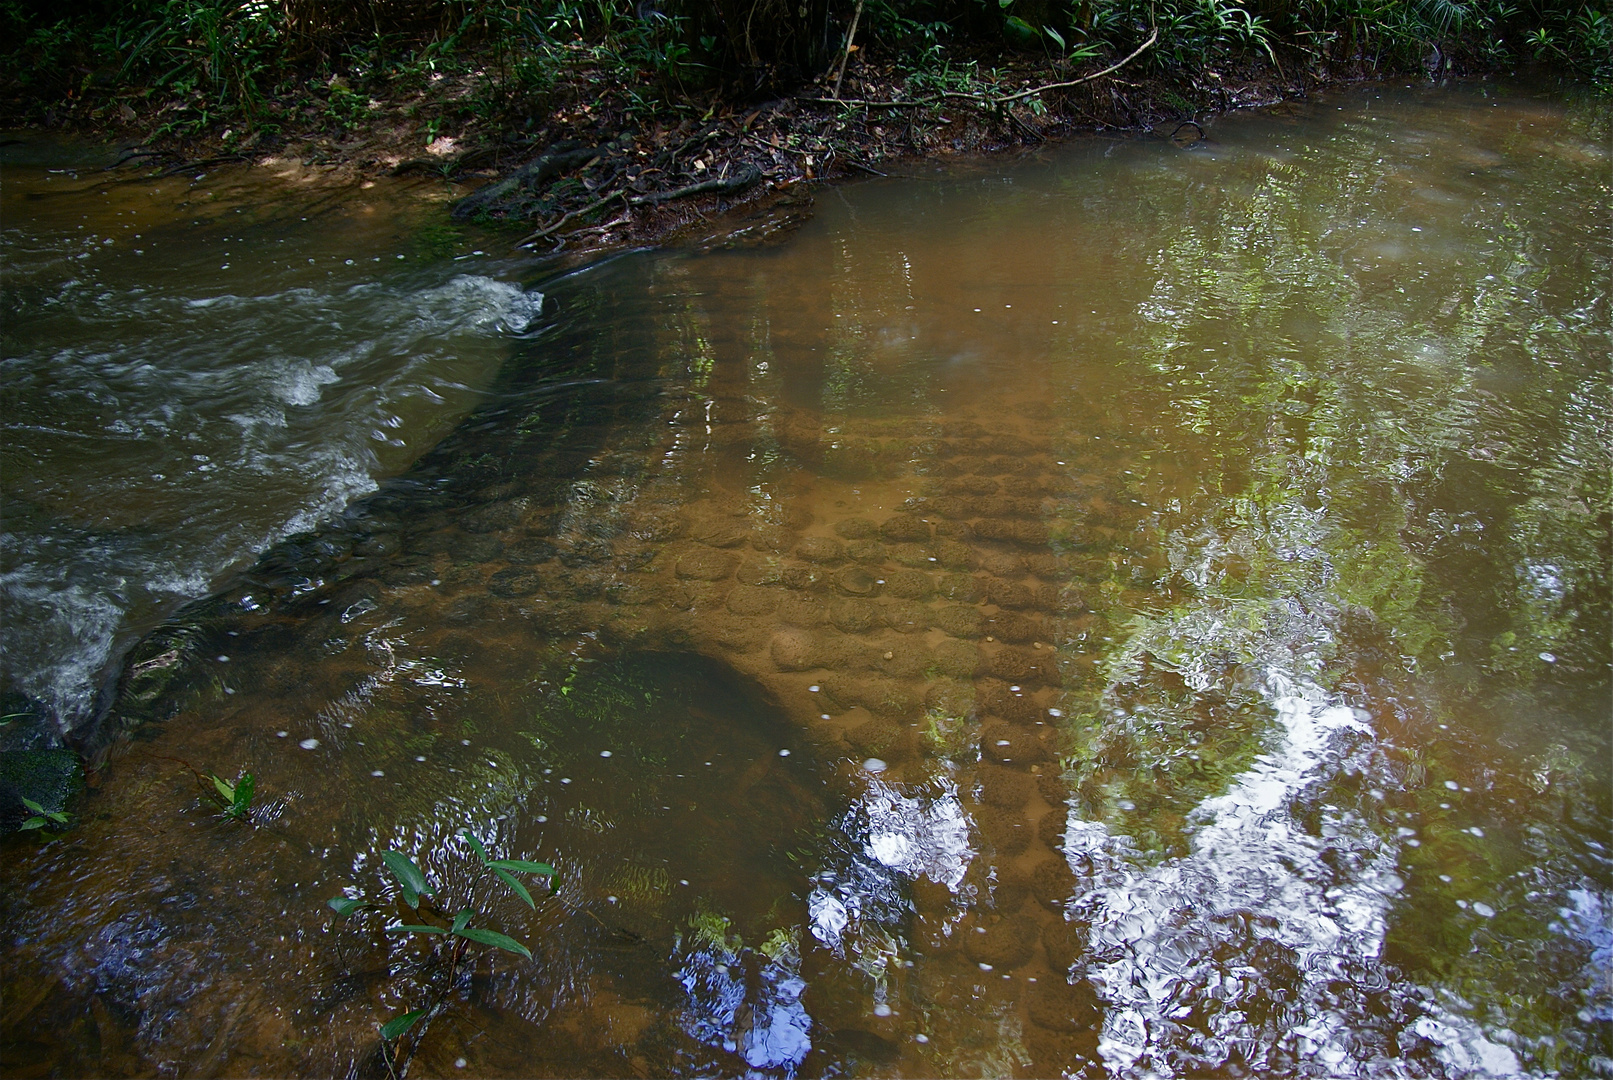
<point>1141,609</point>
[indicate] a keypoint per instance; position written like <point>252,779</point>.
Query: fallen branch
<point>744,178</point>
<point>581,210</point>
<point>203,163</point>
<point>855,164</point>
<point>559,158</point>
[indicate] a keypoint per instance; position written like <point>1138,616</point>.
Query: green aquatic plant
<point>413,886</point>
<point>41,817</point>
<point>235,795</point>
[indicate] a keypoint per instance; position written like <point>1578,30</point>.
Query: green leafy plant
<point>236,795</point>
<point>41,816</point>
<point>412,887</point>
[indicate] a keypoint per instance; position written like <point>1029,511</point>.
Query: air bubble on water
<point>1453,785</point>
<point>874,765</point>
<point>281,734</point>
<point>377,772</point>
<point>786,753</point>
<point>921,1037</point>
<point>604,753</point>
<point>882,1009</point>
<point>420,758</point>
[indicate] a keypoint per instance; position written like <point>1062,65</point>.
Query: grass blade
<point>225,788</point>
<point>242,798</point>
<point>495,939</point>
<point>519,889</point>
<point>399,1024</point>
<point>522,865</point>
<point>481,852</point>
<point>410,876</point>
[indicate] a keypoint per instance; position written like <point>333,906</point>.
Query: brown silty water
<point>896,639</point>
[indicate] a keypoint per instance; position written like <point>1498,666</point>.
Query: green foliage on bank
<point>231,59</point>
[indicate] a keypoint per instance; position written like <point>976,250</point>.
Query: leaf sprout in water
<point>413,885</point>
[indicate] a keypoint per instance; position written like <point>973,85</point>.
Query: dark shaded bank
<point>611,122</point>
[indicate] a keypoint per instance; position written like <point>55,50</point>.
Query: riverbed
<point>1138,609</point>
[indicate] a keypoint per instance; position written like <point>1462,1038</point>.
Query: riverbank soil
<point>625,128</point>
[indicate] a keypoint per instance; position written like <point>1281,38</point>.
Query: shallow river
<point>1142,609</point>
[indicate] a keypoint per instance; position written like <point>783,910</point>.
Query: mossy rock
<point>954,555</point>
<point>1008,944</point>
<point>514,582</point>
<point>1063,942</point>
<point>874,737</point>
<point>48,777</point>
<point>909,584</point>
<point>1052,883</point>
<point>1004,788</point>
<point>857,581</point>
<point>752,600</point>
<point>960,587</point>
<point>959,659</point>
<point>702,564</point>
<point>1051,828</point>
<point>906,617</point>
<point>1011,626</point>
<point>856,529</point>
<point>1062,1007</point>
<point>917,556</point>
<point>958,620</point>
<point>852,616</point>
<point>903,528</point>
<point>821,549</point>
<point>1005,830</point>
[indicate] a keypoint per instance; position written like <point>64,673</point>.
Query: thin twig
<point>742,179</point>
<point>1144,47</point>
<point>850,34</point>
<point>859,103</point>
<point>590,208</point>
<point>985,99</point>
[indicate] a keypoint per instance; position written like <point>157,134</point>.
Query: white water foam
<point>192,433</point>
